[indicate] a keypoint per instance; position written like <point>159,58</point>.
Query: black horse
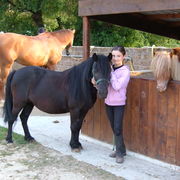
<point>56,93</point>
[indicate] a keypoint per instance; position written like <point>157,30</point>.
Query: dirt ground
<point>33,161</point>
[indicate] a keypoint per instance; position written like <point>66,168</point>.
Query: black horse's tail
<point>8,104</point>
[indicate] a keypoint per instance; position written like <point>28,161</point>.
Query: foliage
<point>111,35</point>
<point>27,16</point>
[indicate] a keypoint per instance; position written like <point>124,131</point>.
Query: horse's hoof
<point>30,139</point>
<point>77,150</point>
<point>9,141</point>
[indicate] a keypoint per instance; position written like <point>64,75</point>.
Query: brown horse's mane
<point>161,65</point>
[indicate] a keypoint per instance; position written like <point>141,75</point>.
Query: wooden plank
<point>143,119</point>
<point>100,7</point>
<point>97,120</point>
<point>131,129</point>
<point>163,16</point>
<point>86,38</point>
<point>127,117</point>
<point>178,131</point>
<point>161,125</point>
<point>172,123</point>
<point>152,119</point>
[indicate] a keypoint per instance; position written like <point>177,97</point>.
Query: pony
<point>55,93</point>
<point>165,66</point>
<point>43,50</point>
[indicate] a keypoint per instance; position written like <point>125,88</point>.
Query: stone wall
<point>141,57</point>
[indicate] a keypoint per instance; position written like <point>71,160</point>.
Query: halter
<point>100,80</point>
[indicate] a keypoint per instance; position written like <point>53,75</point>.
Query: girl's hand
<point>93,82</point>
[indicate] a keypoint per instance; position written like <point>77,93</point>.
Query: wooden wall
<point>151,122</point>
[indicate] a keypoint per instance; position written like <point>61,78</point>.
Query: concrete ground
<point>54,131</point>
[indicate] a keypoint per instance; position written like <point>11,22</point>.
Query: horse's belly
<point>53,111</point>
<point>52,107</point>
<point>32,61</point>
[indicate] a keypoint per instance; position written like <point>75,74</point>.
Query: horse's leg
<point>10,125</point>
<point>13,117</point>
<point>24,118</point>
<point>4,72</point>
<point>51,67</point>
<point>67,50</point>
<point>52,61</point>
<point>77,117</point>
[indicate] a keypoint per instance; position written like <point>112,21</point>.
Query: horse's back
<point>26,50</point>
<point>46,89</point>
<point>28,75</point>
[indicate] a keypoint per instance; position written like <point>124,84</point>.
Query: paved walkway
<point>57,136</point>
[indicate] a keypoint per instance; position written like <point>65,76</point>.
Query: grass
<point>18,139</point>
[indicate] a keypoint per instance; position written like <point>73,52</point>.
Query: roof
<point>160,17</point>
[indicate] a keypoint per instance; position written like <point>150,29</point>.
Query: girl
<point>116,100</point>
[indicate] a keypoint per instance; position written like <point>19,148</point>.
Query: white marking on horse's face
<point>161,85</point>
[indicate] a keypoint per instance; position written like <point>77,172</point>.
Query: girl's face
<point>117,58</point>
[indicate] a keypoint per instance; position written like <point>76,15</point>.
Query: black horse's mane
<point>80,80</point>
<point>80,76</point>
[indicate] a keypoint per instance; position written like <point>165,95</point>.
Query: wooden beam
<point>174,24</point>
<point>163,16</point>
<point>141,23</point>
<point>86,38</point>
<point>102,7</point>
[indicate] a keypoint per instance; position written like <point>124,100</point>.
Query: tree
<point>27,16</point>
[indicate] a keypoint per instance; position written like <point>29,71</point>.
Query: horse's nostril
<point>102,95</point>
<point>161,89</point>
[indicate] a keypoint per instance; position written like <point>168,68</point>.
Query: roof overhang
<point>158,17</point>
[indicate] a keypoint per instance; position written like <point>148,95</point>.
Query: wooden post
<point>86,38</point>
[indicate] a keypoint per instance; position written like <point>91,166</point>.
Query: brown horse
<point>43,50</point>
<point>165,66</point>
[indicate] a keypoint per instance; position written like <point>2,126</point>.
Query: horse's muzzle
<point>161,89</point>
<point>102,92</point>
<point>102,95</point>
<point>162,85</point>
<point>67,53</point>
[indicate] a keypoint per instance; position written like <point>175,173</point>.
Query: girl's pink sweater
<point>118,86</point>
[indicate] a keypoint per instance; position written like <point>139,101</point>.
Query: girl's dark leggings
<point>115,115</point>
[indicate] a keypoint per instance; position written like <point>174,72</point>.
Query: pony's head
<point>161,67</point>
<point>101,73</point>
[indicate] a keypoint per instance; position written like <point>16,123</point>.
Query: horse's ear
<point>110,56</point>
<point>95,57</point>
<point>73,31</point>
